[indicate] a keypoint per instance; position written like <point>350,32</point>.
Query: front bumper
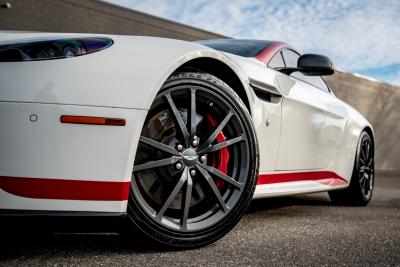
<point>88,161</point>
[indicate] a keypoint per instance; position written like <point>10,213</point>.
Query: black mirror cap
<point>315,65</point>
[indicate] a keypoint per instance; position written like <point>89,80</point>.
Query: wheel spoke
<point>369,164</point>
<point>361,171</point>
<point>362,177</point>
<point>178,119</point>
<point>366,177</point>
<point>212,137</point>
<point>222,176</point>
<point>367,151</point>
<point>370,181</point>
<point>173,194</point>
<point>155,164</point>
<point>214,188</point>
<point>222,145</point>
<point>159,146</point>
<point>367,169</point>
<point>192,113</point>
<point>364,184</point>
<point>186,202</point>
<point>363,154</point>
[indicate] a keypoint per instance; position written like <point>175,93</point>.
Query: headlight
<point>52,49</point>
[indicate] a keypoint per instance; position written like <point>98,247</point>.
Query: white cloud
<point>356,34</point>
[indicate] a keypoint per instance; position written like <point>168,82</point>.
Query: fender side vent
<point>267,95</point>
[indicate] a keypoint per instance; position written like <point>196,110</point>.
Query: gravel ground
<point>303,231</point>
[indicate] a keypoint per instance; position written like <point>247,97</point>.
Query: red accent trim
<point>324,177</point>
<point>119,191</point>
<point>266,55</point>
<point>92,120</point>
<point>65,189</point>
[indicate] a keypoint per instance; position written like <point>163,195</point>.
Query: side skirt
<point>42,213</point>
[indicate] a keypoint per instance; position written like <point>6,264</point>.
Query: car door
<point>313,120</point>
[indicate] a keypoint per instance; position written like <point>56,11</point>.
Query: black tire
<point>192,219</point>
<point>359,192</point>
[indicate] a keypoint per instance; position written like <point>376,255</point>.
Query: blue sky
<point>359,36</point>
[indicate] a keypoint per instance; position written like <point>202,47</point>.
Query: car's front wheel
<point>196,163</point>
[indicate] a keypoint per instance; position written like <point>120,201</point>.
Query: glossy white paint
<point>309,129</point>
<point>126,75</point>
<point>313,124</point>
<point>268,137</point>
<point>51,150</point>
<point>291,188</point>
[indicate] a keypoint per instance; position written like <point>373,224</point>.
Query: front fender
<point>126,75</point>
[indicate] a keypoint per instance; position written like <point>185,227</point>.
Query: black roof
<point>240,47</point>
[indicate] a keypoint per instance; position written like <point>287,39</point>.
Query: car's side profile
<point>178,136</point>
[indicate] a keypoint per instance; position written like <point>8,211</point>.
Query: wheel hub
<point>189,157</point>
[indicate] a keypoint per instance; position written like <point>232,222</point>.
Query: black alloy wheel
<point>359,192</point>
<point>196,163</point>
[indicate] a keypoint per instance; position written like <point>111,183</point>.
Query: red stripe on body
<point>119,191</point>
<point>266,55</point>
<point>324,177</point>
<point>65,189</point>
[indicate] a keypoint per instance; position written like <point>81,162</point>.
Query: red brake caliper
<point>222,158</point>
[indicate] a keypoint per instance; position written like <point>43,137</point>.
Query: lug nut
<point>178,166</point>
<point>195,143</point>
<point>203,158</point>
<point>192,172</point>
<point>179,147</point>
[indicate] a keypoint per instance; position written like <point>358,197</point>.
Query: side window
<point>276,61</point>
<point>291,58</point>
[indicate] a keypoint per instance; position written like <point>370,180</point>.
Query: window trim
<point>286,48</point>
<point>283,59</point>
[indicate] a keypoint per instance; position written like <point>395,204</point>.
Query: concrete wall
<point>379,102</point>
<point>91,16</point>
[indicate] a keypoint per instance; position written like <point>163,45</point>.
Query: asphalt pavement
<point>304,230</point>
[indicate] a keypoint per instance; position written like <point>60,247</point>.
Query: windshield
<point>244,48</point>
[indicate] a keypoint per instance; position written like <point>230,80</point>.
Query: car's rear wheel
<point>196,164</point>
<point>359,192</point>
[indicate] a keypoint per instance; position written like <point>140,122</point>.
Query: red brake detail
<point>223,155</point>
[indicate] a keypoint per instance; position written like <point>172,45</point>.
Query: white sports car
<point>174,135</point>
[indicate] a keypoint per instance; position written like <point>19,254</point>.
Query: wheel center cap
<point>189,157</point>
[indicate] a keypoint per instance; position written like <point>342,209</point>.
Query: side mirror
<point>312,65</point>
<point>315,65</point>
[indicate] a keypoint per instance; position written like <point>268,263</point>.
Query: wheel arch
<point>369,130</point>
<point>365,128</point>
<point>220,70</point>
